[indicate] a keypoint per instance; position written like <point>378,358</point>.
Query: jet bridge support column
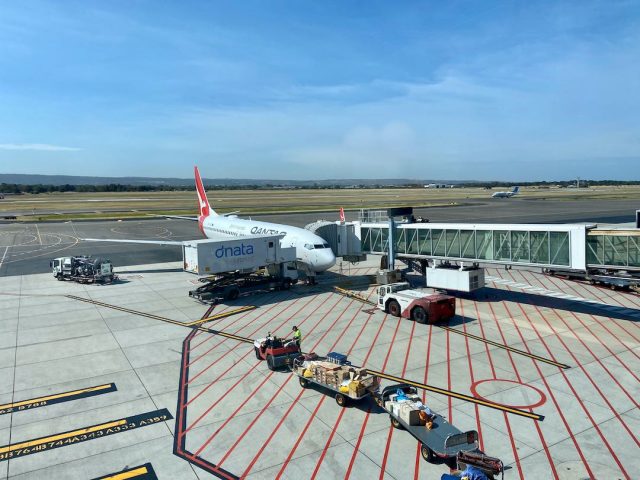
<point>390,275</point>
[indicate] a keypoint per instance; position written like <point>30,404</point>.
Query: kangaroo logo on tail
<point>203,202</point>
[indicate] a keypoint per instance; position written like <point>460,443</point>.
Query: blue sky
<point>315,90</point>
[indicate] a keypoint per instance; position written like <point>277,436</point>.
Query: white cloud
<point>42,147</point>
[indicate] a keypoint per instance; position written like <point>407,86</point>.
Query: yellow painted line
<point>506,347</point>
<point>218,316</point>
<point>130,474</point>
<point>356,296</point>
<point>62,436</point>
<point>56,396</point>
<point>194,324</point>
<point>460,396</point>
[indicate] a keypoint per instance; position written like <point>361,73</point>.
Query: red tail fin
<point>203,202</point>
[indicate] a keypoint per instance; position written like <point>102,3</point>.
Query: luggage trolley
<point>443,440</point>
<point>336,362</point>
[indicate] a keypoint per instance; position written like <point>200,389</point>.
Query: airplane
<point>312,251</point>
<point>510,194</point>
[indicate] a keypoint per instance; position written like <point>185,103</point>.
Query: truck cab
<point>61,267</point>
<point>399,300</point>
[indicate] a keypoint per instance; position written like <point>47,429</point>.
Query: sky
<point>456,90</point>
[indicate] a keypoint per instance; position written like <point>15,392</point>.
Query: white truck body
<point>209,257</point>
<point>458,279</point>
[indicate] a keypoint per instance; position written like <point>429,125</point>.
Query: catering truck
<point>399,300</point>
<point>237,266</point>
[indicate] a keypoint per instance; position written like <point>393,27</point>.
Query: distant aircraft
<point>311,250</point>
<point>510,194</point>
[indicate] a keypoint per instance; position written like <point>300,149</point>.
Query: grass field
<point>67,206</point>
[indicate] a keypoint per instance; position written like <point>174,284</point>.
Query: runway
<point>27,248</point>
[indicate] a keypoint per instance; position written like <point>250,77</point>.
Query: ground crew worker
<point>297,336</point>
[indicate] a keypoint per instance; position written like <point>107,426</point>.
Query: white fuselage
<point>311,249</point>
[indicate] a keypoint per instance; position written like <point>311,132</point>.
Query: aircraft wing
<point>151,242</point>
<point>178,217</point>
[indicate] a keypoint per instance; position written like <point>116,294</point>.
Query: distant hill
<point>25,179</point>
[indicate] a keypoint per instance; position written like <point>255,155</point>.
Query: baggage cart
<point>369,385</point>
<point>443,441</point>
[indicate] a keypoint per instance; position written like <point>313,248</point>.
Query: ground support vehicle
<point>442,441</point>
<point>83,269</point>
<point>611,279</point>
<point>230,285</point>
<point>345,382</point>
<point>278,352</point>
<point>399,300</point>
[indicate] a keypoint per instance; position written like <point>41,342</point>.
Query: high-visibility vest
<point>297,335</point>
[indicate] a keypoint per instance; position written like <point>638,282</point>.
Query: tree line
<point>17,189</point>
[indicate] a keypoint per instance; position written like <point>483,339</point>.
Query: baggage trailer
<point>610,279</point>
<point>278,352</point>
<point>442,441</point>
<point>230,285</point>
<point>335,374</point>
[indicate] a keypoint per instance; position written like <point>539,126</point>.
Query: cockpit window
<point>319,245</point>
<point>308,246</point>
<point>326,245</point>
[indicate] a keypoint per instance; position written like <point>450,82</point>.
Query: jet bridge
<point>544,246</point>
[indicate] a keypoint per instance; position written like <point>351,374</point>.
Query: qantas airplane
<point>311,250</point>
<point>510,194</point>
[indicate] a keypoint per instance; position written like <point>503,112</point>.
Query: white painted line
<point>39,237</point>
<point>3,256</point>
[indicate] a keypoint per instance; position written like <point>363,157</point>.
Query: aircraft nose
<point>325,261</point>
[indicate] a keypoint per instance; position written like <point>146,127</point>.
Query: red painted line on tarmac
<point>570,385</point>
<point>236,320</point>
<point>386,454</point>
<point>450,400</point>
<point>232,366</point>
<point>615,337</point>
<point>224,424</point>
<point>404,369</point>
<point>313,416</point>
<point>241,437</point>
<point>540,434</point>
<point>277,427</point>
<point>384,365</point>
<point>238,330</point>
<point>302,434</point>
<point>337,423</point>
<point>597,358</point>
<point>310,420</point>
<point>562,417</point>
<point>595,385</point>
<point>515,369</point>
<point>424,399</point>
<point>357,445</point>
<point>473,381</point>
<point>214,404</point>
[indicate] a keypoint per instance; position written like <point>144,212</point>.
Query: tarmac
<point>95,380</point>
<point>27,248</point>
